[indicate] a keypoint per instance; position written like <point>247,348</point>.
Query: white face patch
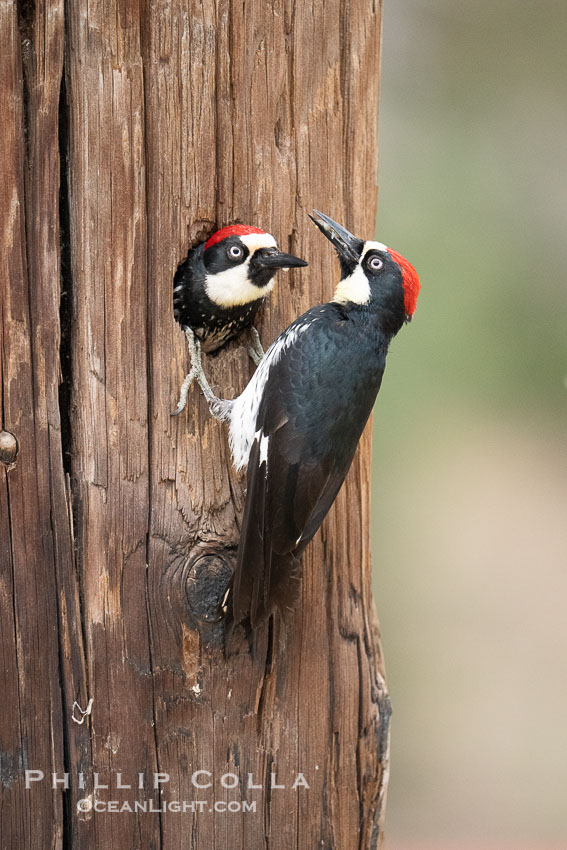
<point>253,241</point>
<point>232,288</point>
<point>355,287</point>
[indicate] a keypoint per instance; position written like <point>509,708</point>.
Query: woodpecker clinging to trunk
<point>298,422</point>
<point>219,288</point>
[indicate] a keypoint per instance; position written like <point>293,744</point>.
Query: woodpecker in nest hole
<point>218,290</point>
<point>298,422</point>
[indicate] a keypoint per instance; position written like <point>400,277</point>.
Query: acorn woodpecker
<point>219,288</point>
<point>298,422</point>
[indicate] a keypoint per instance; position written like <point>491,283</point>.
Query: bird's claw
<point>217,406</point>
<point>257,358</point>
<point>255,350</point>
<point>184,392</point>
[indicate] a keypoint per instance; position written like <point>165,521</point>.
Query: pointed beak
<point>274,259</point>
<point>349,248</point>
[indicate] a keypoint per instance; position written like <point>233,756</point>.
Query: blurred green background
<point>470,452</point>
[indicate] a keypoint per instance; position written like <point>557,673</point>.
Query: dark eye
<point>375,264</point>
<point>235,252</point>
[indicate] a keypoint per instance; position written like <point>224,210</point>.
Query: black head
<point>240,264</point>
<point>372,275</point>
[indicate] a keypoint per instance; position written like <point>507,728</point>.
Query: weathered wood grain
<point>32,715</point>
<point>176,117</point>
<point>109,401</point>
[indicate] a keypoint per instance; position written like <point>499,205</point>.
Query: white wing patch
<point>264,443</point>
<point>244,410</point>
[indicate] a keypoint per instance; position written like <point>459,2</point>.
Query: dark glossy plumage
<point>314,408</point>
<point>212,324</point>
<point>298,422</point>
<point>219,288</point>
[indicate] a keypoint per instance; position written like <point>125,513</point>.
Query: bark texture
<point>130,130</point>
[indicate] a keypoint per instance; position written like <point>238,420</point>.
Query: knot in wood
<point>8,448</point>
<point>205,586</point>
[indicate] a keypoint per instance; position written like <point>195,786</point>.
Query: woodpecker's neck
<point>381,312</point>
<point>376,328</point>
<point>363,298</point>
<point>233,287</point>
<point>353,289</point>
<point>230,288</point>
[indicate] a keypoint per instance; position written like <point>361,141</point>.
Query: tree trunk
<point>132,129</point>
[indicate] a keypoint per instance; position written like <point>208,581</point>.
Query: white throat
<point>233,287</point>
<point>356,288</point>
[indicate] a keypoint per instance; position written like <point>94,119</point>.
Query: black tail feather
<point>255,607</point>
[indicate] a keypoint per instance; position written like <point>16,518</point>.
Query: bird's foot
<point>255,350</point>
<point>217,406</point>
<point>184,391</point>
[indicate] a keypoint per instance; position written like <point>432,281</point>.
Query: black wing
<point>315,405</point>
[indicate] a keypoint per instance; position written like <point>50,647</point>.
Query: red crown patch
<point>231,230</point>
<point>410,280</point>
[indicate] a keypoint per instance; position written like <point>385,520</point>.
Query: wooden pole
<point>131,130</point>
